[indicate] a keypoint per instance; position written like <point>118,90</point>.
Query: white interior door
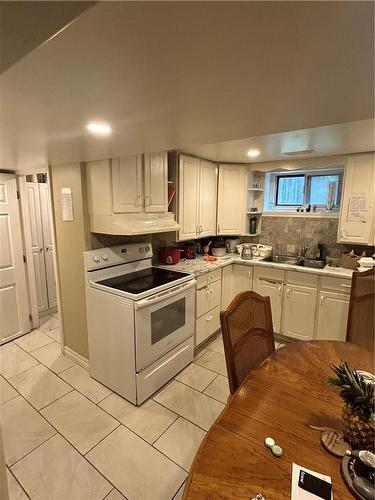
<point>35,225</point>
<point>46,215</point>
<point>14,308</point>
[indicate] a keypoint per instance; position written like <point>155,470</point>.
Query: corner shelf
<point>253,213</point>
<point>256,189</point>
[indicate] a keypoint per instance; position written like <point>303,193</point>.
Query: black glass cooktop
<point>142,281</point>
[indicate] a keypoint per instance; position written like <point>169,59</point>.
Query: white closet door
<point>14,308</point>
<point>46,216</point>
<point>37,244</point>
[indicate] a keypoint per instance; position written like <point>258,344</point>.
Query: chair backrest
<point>361,318</point>
<point>247,335</point>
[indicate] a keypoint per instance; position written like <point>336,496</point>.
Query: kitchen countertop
<point>199,266</point>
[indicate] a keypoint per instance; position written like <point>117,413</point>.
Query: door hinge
<point>18,195</point>
<point>30,318</point>
<point>24,258</point>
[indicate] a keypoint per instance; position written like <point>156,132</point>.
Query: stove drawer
<point>159,373</point>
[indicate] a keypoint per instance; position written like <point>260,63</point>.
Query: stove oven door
<point>163,321</point>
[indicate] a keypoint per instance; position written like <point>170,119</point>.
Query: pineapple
<point>358,416</point>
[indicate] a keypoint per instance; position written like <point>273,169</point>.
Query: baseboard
<point>77,358</point>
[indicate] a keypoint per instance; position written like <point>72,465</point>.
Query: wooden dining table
<point>279,399</point>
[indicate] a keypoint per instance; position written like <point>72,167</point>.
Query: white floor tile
<point>6,345</point>
<point>219,389</point>
<point>115,495</point>
<point>51,356</point>
<point>181,442</point>
<point>14,489</point>
<point>214,361</point>
<point>136,469</point>
<point>196,377</point>
<point>79,420</point>
<point>193,405</point>
<point>23,429</point>
<point>48,323</point>
<point>33,340</point>
<point>149,420</point>
<point>39,386</point>
<point>7,392</point>
<point>178,495</point>
<point>80,379</point>
<point>217,345</point>
<point>54,334</point>
<point>56,471</point>
<point>14,360</point>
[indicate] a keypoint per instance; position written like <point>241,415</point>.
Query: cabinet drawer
<point>302,279</point>
<point>208,298</point>
<point>269,273</point>
<point>208,278</point>
<point>206,325</point>
<point>338,284</point>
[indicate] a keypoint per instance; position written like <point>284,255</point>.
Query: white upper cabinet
<point>357,207</point>
<point>156,182</point>
<point>231,199</point>
<point>207,198</point>
<point>127,184</point>
<point>197,197</point>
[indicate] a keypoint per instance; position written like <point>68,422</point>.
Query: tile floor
<point>67,437</point>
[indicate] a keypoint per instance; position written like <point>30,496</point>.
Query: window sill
<point>311,215</point>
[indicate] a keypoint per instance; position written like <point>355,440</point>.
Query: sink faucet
<point>303,250</point>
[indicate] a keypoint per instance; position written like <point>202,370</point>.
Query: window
<point>288,191</point>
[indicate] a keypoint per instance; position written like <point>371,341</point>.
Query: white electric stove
<point>140,320</point>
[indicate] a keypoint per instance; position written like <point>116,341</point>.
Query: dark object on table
<point>315,485</point>
<point>352,468</point>
<point>247,335</point>
<point>189,251</point>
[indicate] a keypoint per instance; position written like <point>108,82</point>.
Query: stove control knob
<point>105,256</point>
<point>96,258</point>
<point>141,250</point>
<point>147,249</point>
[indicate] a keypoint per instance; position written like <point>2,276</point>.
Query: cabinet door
<point>46,214</point>
<point>207,198</point>
<point>127,188</point>
<point>242,278</point>
<point>207,325</point>
<point>274,291</point>
<point>231,200</point>
<point>299,312</point>
<point>227,292</point>
<point>333,311</point>
<point>156,182</point>
<point>358,183</point>
<point>35,223</point>
<point>188,197</point>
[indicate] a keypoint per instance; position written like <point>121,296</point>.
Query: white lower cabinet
<point>332,316</point>
<point>237,278</point>
<point>299,312</point>
<point>208,302</point>
<point>269,283</point>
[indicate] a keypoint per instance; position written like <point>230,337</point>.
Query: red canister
<point>169,255</point>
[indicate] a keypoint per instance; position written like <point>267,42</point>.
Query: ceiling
<point>24,26</point>
<point>170,74</point>
<point>342,138</point>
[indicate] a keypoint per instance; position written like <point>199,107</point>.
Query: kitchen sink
<point>296,261</point>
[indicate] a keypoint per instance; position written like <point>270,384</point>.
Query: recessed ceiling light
<point>253,153</point>
<point>99,128</point>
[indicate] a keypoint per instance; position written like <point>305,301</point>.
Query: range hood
<point>133,224</point>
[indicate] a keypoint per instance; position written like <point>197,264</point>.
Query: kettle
<point>246,253</point>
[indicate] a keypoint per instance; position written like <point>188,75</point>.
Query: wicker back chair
<point>247,334</point>
<point>361,319</point>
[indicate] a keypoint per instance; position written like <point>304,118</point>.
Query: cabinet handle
<point>322,300</point>
<point>197,229</point>
<point>47,249</point>
<point>148,200</point>
<point>200,228</point>
<point>346,286</point>
<point>288,293</point>
<point>138,200</point>
<point>280,289</point>
<point>218,228</point>
<point>210,318</point>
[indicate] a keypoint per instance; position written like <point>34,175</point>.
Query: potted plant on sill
<point>358,416</point>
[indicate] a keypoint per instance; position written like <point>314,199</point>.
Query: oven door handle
<point>164,295</point>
